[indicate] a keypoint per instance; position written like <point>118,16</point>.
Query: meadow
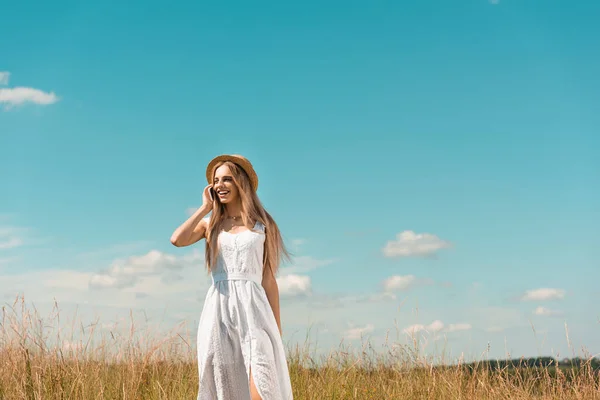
<point>40,361</point>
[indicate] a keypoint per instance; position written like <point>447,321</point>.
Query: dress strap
<point>259,226</point>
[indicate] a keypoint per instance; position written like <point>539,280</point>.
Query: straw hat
<point>241,161</point>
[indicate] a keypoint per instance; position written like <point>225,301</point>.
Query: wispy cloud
<point>543,294</point>
<point>113,251</point>
<point>404,282</point>
<point>436,327</point>
<point>411,244</point>
<point>387,294</point>
<point>302,264</point>
<point>126,272</point>
<point>399,282</point>
<point>497,319</point>
<point>16,96</point>
<point>433,327</point>
<point>375,297</point>
<point>10,238</point>
<point>328,301</point>
<point>459,327</point>
<point>21,95</point>
<point>67,280</point>
<point>547,312</point>
<point>4,261</point>
<point>294,285</point>
<point>9,243</point>
<point>358,332</point>
<point>4,77</point>
<point>297,243</point>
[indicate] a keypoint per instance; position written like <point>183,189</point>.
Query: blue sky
<point>471,127</point>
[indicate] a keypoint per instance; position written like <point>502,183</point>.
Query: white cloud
<point>328,301</point>
<point>459,327</point>
<point>109,281</point>
<point>497,319</point>
<point>134,283</point>
<point>120,250</point>
<point>412,329</point>
<point>294,285</point>
<point>411,244</point>
<point>359,332</point>
<point>376,297</point>
<point>21,95</point>
<point>543,294</point>
<point>7,260</point>
<point>302,264</point>
<point>126,272</point>
<point>4,77</point>
<point>403,282</point>
<point>297,243</point>
<point>9,237</point>
<point>68,279</point>
<point>436,327</point>
<point>398,282</point>
<point>9,243</point>
<point>546,312</point>
<point>387,295</point>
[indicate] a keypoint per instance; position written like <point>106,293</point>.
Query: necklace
<point>235,218</point>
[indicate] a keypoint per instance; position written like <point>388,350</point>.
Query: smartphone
<point>211,194</point>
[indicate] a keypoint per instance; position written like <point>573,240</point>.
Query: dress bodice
<point>240,255</point>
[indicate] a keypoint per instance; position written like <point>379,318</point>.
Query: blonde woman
<point>240,349</point>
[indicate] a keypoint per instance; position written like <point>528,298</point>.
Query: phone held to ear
<point>211,194</point>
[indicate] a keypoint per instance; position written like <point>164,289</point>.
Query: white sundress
<point>237,329</point>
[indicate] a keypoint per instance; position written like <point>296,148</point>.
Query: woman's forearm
<point>272,291</point>
<point>187,233</point>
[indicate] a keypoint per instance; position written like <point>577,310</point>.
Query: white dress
<point>237,328</point>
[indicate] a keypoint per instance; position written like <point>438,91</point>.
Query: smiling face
<point>224,186</point>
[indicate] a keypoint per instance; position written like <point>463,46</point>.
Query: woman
<point>240,350</point>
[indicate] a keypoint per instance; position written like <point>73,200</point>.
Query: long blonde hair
<point>252,211</point>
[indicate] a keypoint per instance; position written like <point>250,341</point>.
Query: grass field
<point>38,362</point>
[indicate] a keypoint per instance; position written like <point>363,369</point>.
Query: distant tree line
<point>537,362</point>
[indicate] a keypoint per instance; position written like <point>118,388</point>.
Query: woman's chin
<point>229,198</point>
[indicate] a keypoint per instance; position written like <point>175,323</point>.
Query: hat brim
<point>234,158</point>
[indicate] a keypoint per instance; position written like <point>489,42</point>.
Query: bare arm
<point>194,228</point>
<point>269,283</point>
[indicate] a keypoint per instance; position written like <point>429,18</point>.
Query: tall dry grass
<point>38,362</point>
